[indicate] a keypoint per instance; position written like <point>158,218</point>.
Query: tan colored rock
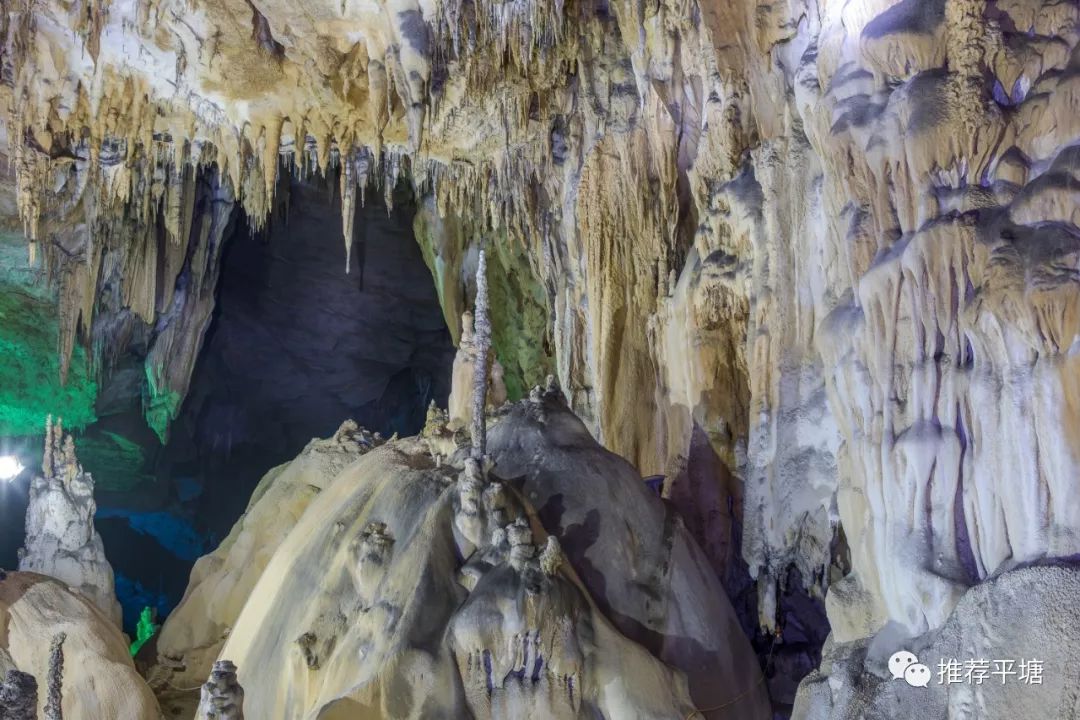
<point>221,582</point>
<point>99,680</point>
<point>836,240</point>
<point>369,618</point>
<point>463,378</point>
<point>410,588</point>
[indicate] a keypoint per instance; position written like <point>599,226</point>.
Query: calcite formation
<point>1024,667</point>
<point>18,696</point>
<point>221,696</point>
<point>814,262</point>
<point>461,410</point>
<point>61,541</point>
<point>221,582</point>
<point>633,554</point>
<point>93,675</point>
<point>54,703</point>
<point>417,588</point>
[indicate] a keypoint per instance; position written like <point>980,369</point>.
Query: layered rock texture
<point>1017,627</point>
<point>61,541</point>
<point>222,581</point>
<point>402,583</point>
<point>98,677</point>
<point>814,262</point>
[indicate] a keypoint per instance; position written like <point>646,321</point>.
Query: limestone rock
<point>463,378</point>
<point>418,589</point>
<point>631,552</point>
<point>61,541</point>
<point>99,678</point>
<point>406,596</point>
<point>1009,649</point>
<point>18,696</point>
<point>813,258</point>
<point>54,703</point>
<point>193,634</point>
<point>221,697</point>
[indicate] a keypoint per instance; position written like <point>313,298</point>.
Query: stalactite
<point>173,205</point>
<point>348,207</point>
<point>51,432</point>
<point>271,156</point>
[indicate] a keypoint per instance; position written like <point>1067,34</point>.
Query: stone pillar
<point>61,541</point>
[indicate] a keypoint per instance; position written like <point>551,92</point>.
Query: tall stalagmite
<point>61,540</point>
<point>54,703</point>
<point>481,363</point>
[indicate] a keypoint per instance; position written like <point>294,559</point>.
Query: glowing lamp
<point>10,467</point>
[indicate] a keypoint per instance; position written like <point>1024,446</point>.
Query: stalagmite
<point>480,369</point>
<point>54,709</point>
<point>61,540</point>
<point>221,697</point>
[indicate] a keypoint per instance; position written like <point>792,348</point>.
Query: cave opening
<point>295,346</point>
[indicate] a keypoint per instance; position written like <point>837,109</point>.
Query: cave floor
<point>178,703</point>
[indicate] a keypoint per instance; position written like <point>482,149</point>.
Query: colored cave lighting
<point>10,467</point>
<point>145,630</point>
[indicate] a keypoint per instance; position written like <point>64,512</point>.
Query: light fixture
<point>10,467</point>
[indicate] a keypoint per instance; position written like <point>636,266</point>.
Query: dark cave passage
<point>296,347</point>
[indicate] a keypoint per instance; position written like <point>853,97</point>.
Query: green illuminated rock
<point>162,406</point>
<point>30,386</point>
<point>519,308</point>
<point>144,630</point>
<point>519,320</point>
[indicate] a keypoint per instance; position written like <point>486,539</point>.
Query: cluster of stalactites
<point>128,163</point>
<point>541,40</point>
<point>523,35</point>
<point>131,178</point>
<point>123,191</point>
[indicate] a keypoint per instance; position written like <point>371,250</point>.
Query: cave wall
<point>835,239</point>
<point>943,243</point>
